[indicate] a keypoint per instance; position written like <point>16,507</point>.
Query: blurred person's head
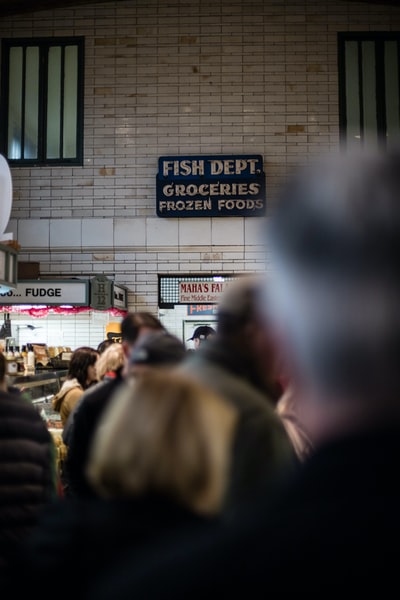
<point>200,335</point>
<point>334,240</point>
<point>136,324</point>
<point>165,434</point>
<point>104,345</point>
<point>244,330</point>
<point>110,360</point>
<point>155,349</point>
<point>82,366</point>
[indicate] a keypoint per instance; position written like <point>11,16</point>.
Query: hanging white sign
<point>48,292</point>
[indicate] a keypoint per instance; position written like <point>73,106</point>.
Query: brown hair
<point>165,433</point>
<point>82,358</point>
<point>134,322</point>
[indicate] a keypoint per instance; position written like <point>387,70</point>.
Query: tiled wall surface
<point>61,330</point>
<point>177,78</point>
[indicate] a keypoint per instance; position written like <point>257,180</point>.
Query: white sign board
<point>201,292</point>
<point>48,292</point>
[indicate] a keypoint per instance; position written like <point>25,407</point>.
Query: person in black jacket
<point>238,362</point>
<point>94,401</point>
<point>28,477</point>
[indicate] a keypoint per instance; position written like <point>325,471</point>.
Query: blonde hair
<point>165,433</point>
<point>111,359</point>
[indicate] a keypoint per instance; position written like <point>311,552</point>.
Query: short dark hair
<point>240,304</point>
<point>135,321</point>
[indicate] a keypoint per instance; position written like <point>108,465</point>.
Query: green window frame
<point>369,88</point>
<point>42,83</point>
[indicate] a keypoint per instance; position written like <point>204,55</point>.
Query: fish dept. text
<point>211,167</point>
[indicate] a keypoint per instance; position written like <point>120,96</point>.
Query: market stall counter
<point>40,388</point>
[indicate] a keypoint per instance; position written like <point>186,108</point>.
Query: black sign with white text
<point>210,186</point>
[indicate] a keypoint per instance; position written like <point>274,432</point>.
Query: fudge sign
<point>47,292</point>
<point>211,186</point>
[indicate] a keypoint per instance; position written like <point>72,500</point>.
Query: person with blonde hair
<point>164,434</point>
<point>110,361</point>
<point>160,464</point>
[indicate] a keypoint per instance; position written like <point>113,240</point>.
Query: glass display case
<point>40,388</point>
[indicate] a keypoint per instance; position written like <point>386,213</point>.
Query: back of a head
<point>82,358</point>
<point>111,359</point>
<point>157,348</point>
<point>102,347</point>
<point>334,241</point>
<point>240,305</point>
<point>135,322</point>
<point>164,434</point>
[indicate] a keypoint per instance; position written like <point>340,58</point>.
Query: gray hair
<point>334,240</point>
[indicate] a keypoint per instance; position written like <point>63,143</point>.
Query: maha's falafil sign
<point>207,291</point>
<point>211,186</point>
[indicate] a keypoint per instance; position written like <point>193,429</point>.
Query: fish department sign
<point>211,186</point>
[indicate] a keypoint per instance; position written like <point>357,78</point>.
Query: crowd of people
<point>263,462</point>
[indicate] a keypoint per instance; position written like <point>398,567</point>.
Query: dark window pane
<point>70,122</point>
<point>31,126</point>
<point>369,89</point>
<point>42,98</point>
<point>14,145</point>
<point>54,103</point>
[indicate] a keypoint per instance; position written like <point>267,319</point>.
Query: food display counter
<point>40,388</point>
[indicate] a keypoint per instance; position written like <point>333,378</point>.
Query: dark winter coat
<point>263,451</point>
<point>27,471</point>
<point>332,533</point>
<point>85,537</point>
<point>85,420</point>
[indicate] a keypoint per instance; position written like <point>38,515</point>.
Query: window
<point>369,88</point>
<point>42,101</point>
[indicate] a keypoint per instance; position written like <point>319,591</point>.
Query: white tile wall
<point>227,231</point>
<point>65,233</point>
<point>86,329</point>
<point>177,78</point>
<point>194,232</point>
